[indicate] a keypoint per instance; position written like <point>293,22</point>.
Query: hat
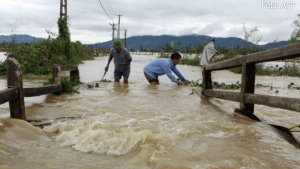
<point>117,44</point>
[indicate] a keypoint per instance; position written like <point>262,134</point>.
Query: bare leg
<point>154,83</point>
<point>125,80</point>
<point>117,79</point>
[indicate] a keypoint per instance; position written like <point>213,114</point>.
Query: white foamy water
<point>101,134</point>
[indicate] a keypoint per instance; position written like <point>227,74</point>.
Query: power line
<point>109,7</point>
<point>105,10</point>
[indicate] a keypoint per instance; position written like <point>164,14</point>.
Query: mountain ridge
<point>156,42</point>
<point>159,41</point>
<point>20,38</point>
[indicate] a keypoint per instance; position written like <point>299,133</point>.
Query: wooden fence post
<point>206,79</point>
<point>56,77</point>
<point>14,80</point>
<point>247,85</point>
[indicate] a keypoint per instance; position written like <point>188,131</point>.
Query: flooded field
<point>143,126</point>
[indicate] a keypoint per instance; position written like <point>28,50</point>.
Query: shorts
<point>151,79</point>
<point>125,74</point>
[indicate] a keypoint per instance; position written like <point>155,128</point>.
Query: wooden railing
<point>15,93</point>
<point>246,97</point>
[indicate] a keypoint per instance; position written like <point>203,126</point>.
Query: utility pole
<point>63,9</point>
<point>125,39</point>
<point>119,26</point>
<point>113,31</point>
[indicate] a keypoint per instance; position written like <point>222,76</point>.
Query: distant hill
<point>155,42</point>
<point>274,45</point>
<point>20,38</point>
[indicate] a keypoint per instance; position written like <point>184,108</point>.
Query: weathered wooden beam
<point>206,79</point>
<point>247,85</point>
<point>271,101</point>
<point>274,101</point>
<point>285,52</point>
<point>37,91</point>
<point>8,94</point>
<point>68,68</point>
<point>232,96</point>
<point>230,63</point>
<point>14,80</point>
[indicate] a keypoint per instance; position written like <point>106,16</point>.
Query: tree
<point>167,47</point>
<point>222,49</point>
<point>141,48</point>
<point>199,48</point>
<point>172,45</point>
<point>13,42</point>
<point>64,34</point>
<point>255,40</point>
<point>179,45</point>
<point>295,37</point>
<point>4,44</point>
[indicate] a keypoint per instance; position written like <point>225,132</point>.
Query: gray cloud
<point>212,28</point>
<point>89,23</point>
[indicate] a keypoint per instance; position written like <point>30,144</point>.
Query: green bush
<point>68,84</point>
<point>190,61</point>
<point>38,58</point>
<point>2,68</point>
<point>164,55</point>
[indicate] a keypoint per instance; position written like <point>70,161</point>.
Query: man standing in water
<point>122,60</point>
<point>163,66</point>
<point>209,53</point>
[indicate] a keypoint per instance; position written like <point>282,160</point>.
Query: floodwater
<point>2,56</point>
<point>143,126</point>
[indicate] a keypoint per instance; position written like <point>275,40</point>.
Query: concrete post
<point>56,79</point>
<point>14,80</point>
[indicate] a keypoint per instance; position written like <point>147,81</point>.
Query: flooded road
<point>143,126</point>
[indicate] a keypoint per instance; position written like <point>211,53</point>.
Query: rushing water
<point>143,126</point>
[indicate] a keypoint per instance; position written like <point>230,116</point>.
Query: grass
<point>67,84</point>
<point>194,61</point>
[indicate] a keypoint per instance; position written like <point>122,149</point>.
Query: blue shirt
<point>163,66</point>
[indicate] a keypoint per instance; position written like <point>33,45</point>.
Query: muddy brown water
<point>141,126</point>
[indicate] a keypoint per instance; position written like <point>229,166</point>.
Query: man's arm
<point>167,69</point>
<point>129,59</point>
<point>127,64</point>
<point>177,72</point>
<point>109,60</point>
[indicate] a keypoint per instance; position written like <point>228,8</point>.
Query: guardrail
<point>15,93</point>
<point>246,97</point>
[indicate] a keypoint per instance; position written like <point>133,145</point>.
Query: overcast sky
<point>90,24</point>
